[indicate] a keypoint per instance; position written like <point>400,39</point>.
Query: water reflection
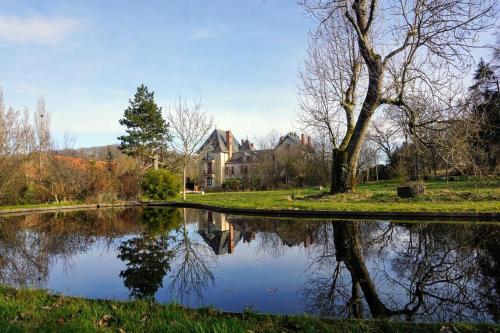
<point>148,255</point>
<point>346,269</point>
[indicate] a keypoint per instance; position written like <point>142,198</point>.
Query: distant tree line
<point>34,169</point>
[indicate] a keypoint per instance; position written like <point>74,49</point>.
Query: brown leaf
<point>61,321</point>
<point>145,317</point>
<point>104,321</point>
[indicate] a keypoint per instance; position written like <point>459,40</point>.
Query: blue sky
<point>87,58</point>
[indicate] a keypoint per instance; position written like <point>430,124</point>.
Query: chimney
<point>242,142</point>
<point>252,146</point>
<point>303,139</point>
<point>229,143</point>
<point>309,143</point>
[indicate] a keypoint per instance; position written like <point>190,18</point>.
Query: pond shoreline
<point>485,216</point>
<point>32,310</point>
<point>452,216</point>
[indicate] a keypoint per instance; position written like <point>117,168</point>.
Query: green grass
<point>43,205</point>
<point>458,196</point>
<point>38,311</point>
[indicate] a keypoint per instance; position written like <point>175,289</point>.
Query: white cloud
<point>205,33</point>
<point>42,30</point>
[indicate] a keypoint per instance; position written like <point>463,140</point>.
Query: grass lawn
<point>38,311</point>
<point>43,205</point>
<point>457,196</point>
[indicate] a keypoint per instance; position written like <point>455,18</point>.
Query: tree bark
<point>184,182</point>
<point>340,172</point>
<point>348,246</point>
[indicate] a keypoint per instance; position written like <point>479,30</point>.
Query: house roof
<point>241,156</point>
<point>290,138</point>
<point>218,142</point>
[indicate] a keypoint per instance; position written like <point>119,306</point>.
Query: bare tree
<point>386,134</point>
<point>191,126</point>
<point>400,54</point>
<point>16,145</point>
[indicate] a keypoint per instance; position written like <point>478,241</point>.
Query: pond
<point>418,271</point>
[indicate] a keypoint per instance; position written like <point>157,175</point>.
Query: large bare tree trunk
<point>348,248</point>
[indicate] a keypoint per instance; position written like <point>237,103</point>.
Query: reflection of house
<point>218,233</point>
<point>222,234</point>
<point>291,233</point>
<point>225,157</point>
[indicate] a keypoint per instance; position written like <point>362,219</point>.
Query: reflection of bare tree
<point>192,269</point>
<point>270,242</point>
<point>30,244</point>
<point>427,270</point>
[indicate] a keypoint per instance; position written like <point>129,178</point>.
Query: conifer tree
<point>147,131</point>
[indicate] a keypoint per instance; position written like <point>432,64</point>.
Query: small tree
<point>160,184</point>
<point>147,131</point>
<point>190,126</point>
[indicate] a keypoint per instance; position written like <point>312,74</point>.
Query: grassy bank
<point>458,196</point>
<point>42,205</point>
<point>37,311</point>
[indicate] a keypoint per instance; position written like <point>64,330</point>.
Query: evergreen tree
<point>147,131</point>
<point>485,101</point>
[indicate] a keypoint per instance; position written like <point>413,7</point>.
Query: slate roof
<point>291,138</point>
<point>241,156</point>
<point>218,142</point>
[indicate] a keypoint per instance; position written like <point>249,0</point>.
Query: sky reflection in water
<point>340,269</point>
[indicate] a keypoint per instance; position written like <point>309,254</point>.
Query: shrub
<point>233,184</point>
<point>160,184</point>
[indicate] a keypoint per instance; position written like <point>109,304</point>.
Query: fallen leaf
<point>104,321</point>
<point>61,321</point>
<point>46,308</point>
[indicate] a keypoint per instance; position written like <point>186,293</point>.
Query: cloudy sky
<point>86,59</point>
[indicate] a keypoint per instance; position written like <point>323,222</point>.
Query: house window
<point>210,168</point>
<point>245,169</point>
<point>242,169</point>
<point>248,158</point>
<point>209,181</point>
<point>232,170</point>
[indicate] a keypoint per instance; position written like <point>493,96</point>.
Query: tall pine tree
<point>147,131</point>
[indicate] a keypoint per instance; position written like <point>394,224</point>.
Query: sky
<point>86,58</point>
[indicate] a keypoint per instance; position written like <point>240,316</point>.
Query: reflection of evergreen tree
<point>148,262</point>
<point>148,256</point>
<point>161,220</point>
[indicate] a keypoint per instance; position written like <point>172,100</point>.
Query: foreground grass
<point>458,196</point>
<point>38,311</point>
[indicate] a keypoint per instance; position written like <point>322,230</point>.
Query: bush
<point>233,184</point>
<point>160,185</point>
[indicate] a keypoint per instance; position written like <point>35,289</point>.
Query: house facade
<point>224,157</point>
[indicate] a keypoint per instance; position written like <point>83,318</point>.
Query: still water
<point>331,268</point>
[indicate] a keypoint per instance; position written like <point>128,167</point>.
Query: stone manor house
<point>224,157</point>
